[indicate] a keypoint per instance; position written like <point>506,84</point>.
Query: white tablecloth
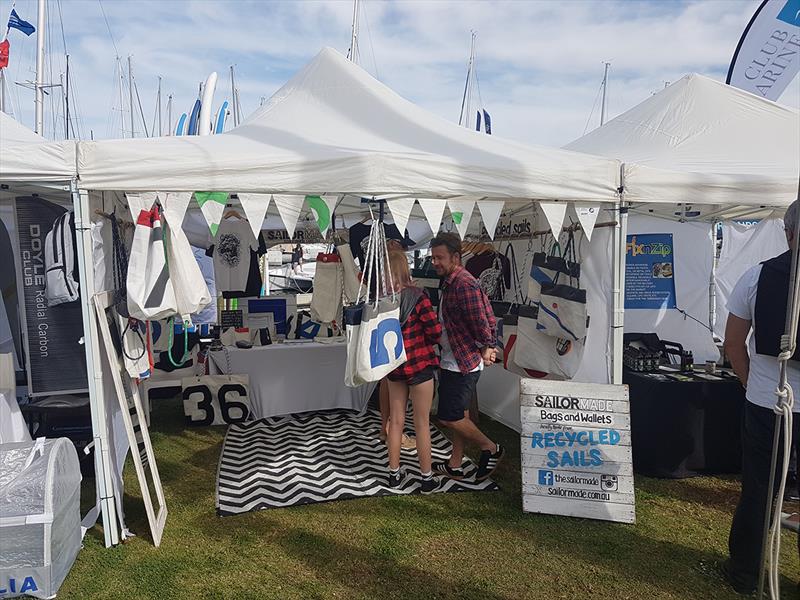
<point>293,378</point>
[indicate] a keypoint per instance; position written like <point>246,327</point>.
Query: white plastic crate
<point>40,528</point>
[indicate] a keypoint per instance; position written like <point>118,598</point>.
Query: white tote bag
<point>349,273</point>
<point>352,330</point>
<point>326,301</point>
<point>381,349</point>
<point>150,292</point>
<point>189,285</point>
<point>562,311</point>
<point>558,357</point>
<point>351,317</point>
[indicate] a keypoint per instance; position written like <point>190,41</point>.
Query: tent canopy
<point>333,128</point>
<point>705,142</point>
<point>28,157</point>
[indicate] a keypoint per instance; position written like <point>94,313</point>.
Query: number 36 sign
<point>216,399</point>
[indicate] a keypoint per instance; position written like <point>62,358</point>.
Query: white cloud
<point>539,63</point>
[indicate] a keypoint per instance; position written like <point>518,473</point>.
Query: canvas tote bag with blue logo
<point>380,339</point>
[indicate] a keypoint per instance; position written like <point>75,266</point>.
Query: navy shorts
<point>455,393</point>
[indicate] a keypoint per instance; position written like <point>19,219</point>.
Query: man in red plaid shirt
<point>467,345</point>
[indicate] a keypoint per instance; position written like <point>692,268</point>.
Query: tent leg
<point>618,325</point>
<point>102,457</point>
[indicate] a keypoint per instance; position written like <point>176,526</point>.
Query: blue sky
<point>539,62</point>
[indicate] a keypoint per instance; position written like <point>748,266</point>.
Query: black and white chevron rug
<point>319,457</point>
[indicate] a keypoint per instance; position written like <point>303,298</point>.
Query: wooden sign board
<point>576,450</point>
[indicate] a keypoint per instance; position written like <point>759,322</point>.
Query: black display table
<point>683,426</point>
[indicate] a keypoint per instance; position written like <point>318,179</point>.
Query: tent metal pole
<point>102,455</point>
<point>712,284</point>
<point>618,324</point>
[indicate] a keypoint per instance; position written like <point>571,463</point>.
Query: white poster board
<point>576,450</point>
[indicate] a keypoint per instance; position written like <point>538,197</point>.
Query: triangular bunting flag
<point>401,211</point>
<point>461,211</point>
<point>587,217</point>
<point>434,210</point>
<point>322,207</point>
<point>255,209</point>
<point>289,208</point>
<point>490,213</point>
<point>175,206</point>
<point>212,205</point>
<point>555,213</point>
<point>140,201</point>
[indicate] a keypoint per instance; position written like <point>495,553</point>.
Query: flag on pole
<point>766,60</point>
<point>4,47</point>
<point>14,22</point>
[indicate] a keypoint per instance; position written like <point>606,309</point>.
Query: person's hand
<point>489,355</point>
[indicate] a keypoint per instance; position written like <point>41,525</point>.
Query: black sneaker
<point>428,485</point>
<point>396,479</point>
<point>442,468</point>
<point>488,463</point>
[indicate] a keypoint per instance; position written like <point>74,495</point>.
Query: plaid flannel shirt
<point>468,318</point>
<point>421,333</point>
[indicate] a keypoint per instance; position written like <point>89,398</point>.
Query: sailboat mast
<point>130,93</point>
<point>39,86</point>
<point>169,114</point>
<point>605,87</point>
<point>233,100</point>
<point>466,97</point>
<point>352,54</point>
<point>158,100</point>
<point>66,102</point>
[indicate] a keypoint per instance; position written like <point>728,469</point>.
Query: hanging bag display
<point>558,357</point>
<point>326,301</point>
<point>349,273</point>
<point>150,293</point>
<point>185,277</point>
<point>546,266</point>
<point>351,317</point>
<point>562,306</point>
<point>381,348</point>
<point>59,261</point>
<point>510,333</point>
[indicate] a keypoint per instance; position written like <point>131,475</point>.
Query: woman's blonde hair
<point>398,263</point>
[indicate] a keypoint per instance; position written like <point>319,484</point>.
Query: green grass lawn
<point>469,545</point>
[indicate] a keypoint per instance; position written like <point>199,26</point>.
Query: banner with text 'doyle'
<point>767,57</point>
<point>55,352</point>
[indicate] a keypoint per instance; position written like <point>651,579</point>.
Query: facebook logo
<point>790,13</point>
<point>545,477</point>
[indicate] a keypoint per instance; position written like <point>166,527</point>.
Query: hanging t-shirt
<point>480,262</point>
<point>359,239</point>
<point>232,249</point>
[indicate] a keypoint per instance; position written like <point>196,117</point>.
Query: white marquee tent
<point>28,157</point>
<point>701,141</point>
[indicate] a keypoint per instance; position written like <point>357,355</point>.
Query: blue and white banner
<point>649,271</point>
<point>767,57</point>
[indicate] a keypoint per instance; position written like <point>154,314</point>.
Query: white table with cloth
<point>293,377</point>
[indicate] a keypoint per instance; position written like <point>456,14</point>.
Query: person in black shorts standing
<point>469,331</point>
